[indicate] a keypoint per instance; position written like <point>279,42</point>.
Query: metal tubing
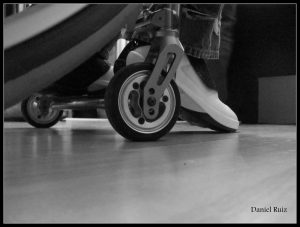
<point>79,104</point>
<point>167,45</point>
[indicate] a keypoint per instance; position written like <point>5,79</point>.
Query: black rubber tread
<point>203,120</point>
<point>112,108</point>
<point>27,117</point>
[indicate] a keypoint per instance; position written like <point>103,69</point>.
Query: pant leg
<point>200,26</point>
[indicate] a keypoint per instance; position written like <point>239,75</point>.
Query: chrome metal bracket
<point>166,52</point>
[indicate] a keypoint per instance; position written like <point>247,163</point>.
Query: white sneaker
<point>199,99</point>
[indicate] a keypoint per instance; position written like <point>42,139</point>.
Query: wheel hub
<point>135,100</point>
<point>43,105</point>
<point>39,108</point>
<point>131,102</point>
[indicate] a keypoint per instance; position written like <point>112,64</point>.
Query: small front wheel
<point>37,111</point>
<point>124,101</point>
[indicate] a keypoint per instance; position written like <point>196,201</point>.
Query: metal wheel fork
<point>166,52</point>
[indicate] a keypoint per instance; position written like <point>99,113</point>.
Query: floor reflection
<point>86,172</point>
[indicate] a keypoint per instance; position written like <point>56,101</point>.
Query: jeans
<point>199,29</point>
<point>200,26</point>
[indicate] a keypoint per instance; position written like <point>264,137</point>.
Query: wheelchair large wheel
<point>37,111</point>
<point>123,101</point>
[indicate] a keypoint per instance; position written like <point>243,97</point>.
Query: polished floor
<point>82,171</point>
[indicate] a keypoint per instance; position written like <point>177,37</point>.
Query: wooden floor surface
<point>82,171</point>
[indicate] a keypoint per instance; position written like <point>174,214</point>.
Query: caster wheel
<point>123,101</point>
<point>37,112</point>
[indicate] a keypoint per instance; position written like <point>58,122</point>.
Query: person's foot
<point>200,104</point>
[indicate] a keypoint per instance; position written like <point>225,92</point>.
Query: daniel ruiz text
<point>270,209</point>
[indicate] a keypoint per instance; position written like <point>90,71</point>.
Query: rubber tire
<point>112,107</point>
<point>27,117</point>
